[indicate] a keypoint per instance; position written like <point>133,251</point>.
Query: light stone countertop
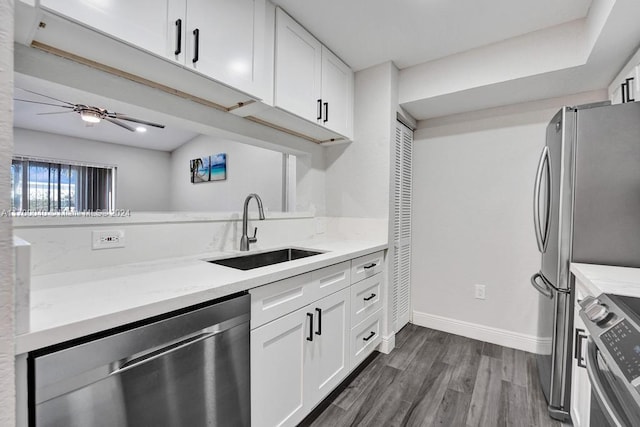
<point>598,279</point>
<point>69,305</point>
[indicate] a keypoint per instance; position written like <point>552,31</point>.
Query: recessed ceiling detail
<point>464,55</point>
<point>409,32</point>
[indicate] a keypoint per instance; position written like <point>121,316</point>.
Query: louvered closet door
<point>402,226</point>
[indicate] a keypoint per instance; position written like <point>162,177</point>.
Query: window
<point>39,185</point>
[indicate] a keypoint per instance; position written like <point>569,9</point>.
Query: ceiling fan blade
<point>47,96</point>
<point>119,123</point>
<point>53,112</point>
<point>133,119</point>
<point>42,103</point>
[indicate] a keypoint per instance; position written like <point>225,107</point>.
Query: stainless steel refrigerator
<point>586,209</point>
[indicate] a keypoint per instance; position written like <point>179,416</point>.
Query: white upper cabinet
<point>337,94</point>
<point>225,40</point>
<point>625,87</point>
<point>298,76</point>
<point>142,23</point>
<point>221,39</point>
<point>310,81</point>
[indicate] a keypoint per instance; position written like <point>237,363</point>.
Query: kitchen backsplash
<point>65,244</point>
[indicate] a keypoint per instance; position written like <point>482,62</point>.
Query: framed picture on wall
<point>210,168</point>
<point>218,167</point>
<point>199,170</point>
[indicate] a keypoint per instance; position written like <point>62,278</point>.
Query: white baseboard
<point>489,334</point>
<point>387,344</point>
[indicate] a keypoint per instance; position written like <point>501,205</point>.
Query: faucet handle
<point>255,233</point>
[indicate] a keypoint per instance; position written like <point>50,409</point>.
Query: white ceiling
<point>26,116</point>
<point>457,56</point>
<point>454,56</point>
<point>408,32</point>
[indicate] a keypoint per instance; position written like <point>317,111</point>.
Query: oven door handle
<point>598,388</point>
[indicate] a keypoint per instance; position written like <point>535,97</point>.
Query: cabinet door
<point>580,384</point>
<point>142,23</point>
<point>230,41</point>
<point>616,95</point>
<point>329,363</point>
<point>279,353</point>
<point>337,94</point>
<point>330,279</point>
<point>276,299</point>
<point>366,298</point>
<point>366,266</point>
<point>365,337</point>
<point>298,62</point>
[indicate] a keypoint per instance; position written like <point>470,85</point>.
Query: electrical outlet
<point>107,239</point>
<point>480,292</point>
<point>321,225</point>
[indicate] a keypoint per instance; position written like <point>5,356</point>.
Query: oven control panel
<point>623,343</point>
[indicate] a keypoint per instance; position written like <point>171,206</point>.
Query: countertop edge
<point>598,279</point>
<point>73,330</point>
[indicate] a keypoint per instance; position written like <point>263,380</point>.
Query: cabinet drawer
<point>366,266</point>
<point>328,280</point>
<point>366,298</point>
<point>276,299</point>
<point>365,337</point>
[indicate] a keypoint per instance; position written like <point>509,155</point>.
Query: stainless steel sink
<point>262,259</point>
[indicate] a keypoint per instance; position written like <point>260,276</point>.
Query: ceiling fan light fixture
<point>141,129</point>
<point>90,116</point>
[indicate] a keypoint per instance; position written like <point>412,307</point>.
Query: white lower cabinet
<point>580,384</point>
<point>329,357</point>
<point>365,337</point>
<point>279,354</point>
<point>366,298</point>
<point>308,332</point>
<point>297,359</point>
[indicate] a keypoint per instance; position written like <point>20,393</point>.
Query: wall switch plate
<point>107,239</point>
<point>480,292</point>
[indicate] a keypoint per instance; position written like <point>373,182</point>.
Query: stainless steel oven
<point>613,359</point>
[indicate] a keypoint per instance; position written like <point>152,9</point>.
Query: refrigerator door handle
<point>542,288</point>
<point>547,219</point>
<point>540,238</point>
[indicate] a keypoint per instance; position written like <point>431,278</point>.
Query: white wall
<point>142,178</point>
<point>64,244</point>
<point>472,220</point>
<point>7,379</point>
<point>358,173</point>
<point>249,170</point>
<point>311,178</point>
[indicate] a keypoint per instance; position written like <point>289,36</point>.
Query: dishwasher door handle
<point>156,354</point>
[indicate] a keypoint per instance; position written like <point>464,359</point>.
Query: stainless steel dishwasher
<point>189,369</point>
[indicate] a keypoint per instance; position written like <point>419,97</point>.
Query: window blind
<point>47,186</point>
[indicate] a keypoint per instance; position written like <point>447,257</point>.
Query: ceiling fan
<point>90,114</point>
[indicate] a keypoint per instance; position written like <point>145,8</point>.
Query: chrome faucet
<point>245,239</point>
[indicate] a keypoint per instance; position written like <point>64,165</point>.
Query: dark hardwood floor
<point>433,378</point>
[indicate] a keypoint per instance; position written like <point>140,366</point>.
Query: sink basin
<point>262,259</point>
